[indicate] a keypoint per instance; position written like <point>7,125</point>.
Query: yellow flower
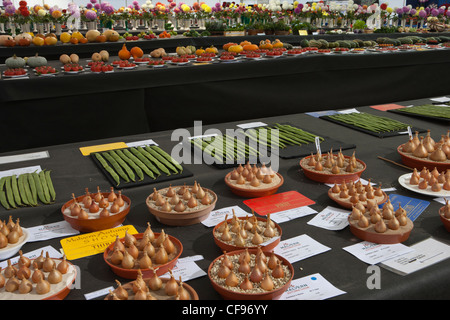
<point>389,10</point>
<point>41,12</point>
<point>325,14</point>
<point>295,4</point>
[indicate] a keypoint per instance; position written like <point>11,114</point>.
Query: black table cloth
<point>71,108</point>
<point>72,172</point>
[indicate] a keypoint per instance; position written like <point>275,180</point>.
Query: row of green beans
<point>280,136</point>
<point>133,164</point>
<point>27,189</point>
<point>225,148</point>
<point>430,110</point>
<point>370,122</point>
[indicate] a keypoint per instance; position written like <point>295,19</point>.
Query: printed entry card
<point>278,202</point>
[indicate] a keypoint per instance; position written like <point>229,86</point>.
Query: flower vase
<point>92,25</point>
<point>403,22</point>
<point>133,24</point>
<point>58,29</point>
<point>201,23</point>
<point>2,27</point>
<point>25,28</point>
<point>422,23</point>
<point>308,19</point>
<point>160,24</point>
<point>40,28</point>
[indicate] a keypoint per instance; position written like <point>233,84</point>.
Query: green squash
<point>15,62</point>
<point>37,61</point>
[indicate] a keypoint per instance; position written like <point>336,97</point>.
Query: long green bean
<point>428,110</point>
<point>123,164</point>
<point>370,122</point>
<point>161,166</point>
<point>168,157</point>
<point>139,163</point>
<point>116,166</point>
<point>108,168</point>
<point>132,165</point>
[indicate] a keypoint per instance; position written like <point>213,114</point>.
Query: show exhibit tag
<point>88,244</point>
<point>410,132</point>
<point>317,141</point>
<point>103,147</point>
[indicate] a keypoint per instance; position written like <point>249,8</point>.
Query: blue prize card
<point>413,207</point>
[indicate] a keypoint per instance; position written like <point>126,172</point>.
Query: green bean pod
<point>9,193</point>
<point>33,189</point>
<point>106,166</point>
<point>168,157</point>
<point>15,189</point>
<point>131,163</point>
<point>51,188</point>
<point>139,163</point>
<point>26,185</point>
<point>39,188</point>
<point>3,200</point>
<point>116,166</point>
<point>45,186</point>
<point>161,166</point>
<point>22,192</point>
<point>146,161</point>
<point>123,164</point>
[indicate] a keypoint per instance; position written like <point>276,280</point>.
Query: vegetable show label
<point>278,202</point>
<point>104,147</point>
<point>93,243</point>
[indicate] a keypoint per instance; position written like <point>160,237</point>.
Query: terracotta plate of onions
<point>181,205</point>
<point>253,182</point>
<point>244,232</point>
<point>35,279</point>
<point>96,211</point>
<point>414,162</point>
<point>153,288</point>
<point>250,274</point>
<point>444,213</point>
<point>146,252</point>
<point>331,168</point>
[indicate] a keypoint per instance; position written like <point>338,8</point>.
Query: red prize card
<point>278,202</point>
<point>385,107</point>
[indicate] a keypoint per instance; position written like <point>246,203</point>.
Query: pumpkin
<point>236,48</point>
<point>23,36</point>
<point>24,42</point>
<point>244,43</point>
<point>64,59</point>
<point>199,52</point>
<point>74,58</point>
<point>38,41</point>
<point>15,62</point>
<point>136,52</point>
<point>227,45</point>
<point>113,37</point>
<point>3,38</point>
<point>158,53</point>
<point>74,40</point>
<point>37,61</point>
<point>266,45</point>
<point>250,47</point>
<point>190,49</point>
<point>83,40</point>
<point>96,57</point>
<point>92,35</point>
<point>277,44</point>
<point>212,49</point>
<point>9,43</point>
<point>101,38</point>
<point>105,55</point>
<point>108,33</point>
<point>124,53</point>
<point>182,51</point>
<point>50,41</point>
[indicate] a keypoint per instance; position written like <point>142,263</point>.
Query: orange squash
<point>136,52</point>
<point>124,53</point>
<point>199,52</point>
<point>250,47</point>
<point>227,45</point>
<point>267,44</point>
<point>212,49</point>
<point>236,48</point>
<point>244,43</point>
<point>277,44</point>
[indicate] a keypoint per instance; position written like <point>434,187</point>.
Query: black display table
<point>72,172</point>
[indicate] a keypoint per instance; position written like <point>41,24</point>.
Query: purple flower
<point>97,6</point>
<point>413,12</point>
<point>399,11</point>
<point>217,5</point>
<point>447,13</point>
<point>297,10</point>
<point>10,9</point>
<point>93,1</point>
<point>89,6</point>
<point>422,14</point>
<point>434,12</point>
<point>405,9</point>
<point>137,7</point>
<point>135,3</point>
<point>428,10</point>
<point>300,5</point>
<point>91,15</point>
<point>108,9</point>
<point>441,10</point>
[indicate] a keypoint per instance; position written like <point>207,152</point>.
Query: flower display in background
<point>90,15</point>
